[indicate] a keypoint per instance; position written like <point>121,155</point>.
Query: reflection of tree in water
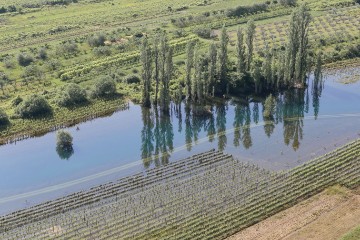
<point>316,90</point>
<point>157,138</point>
<point>65,153</point>
<point>256,112</point>
<point>293,115</point>
<point>188,127</point>
<point>247,141</point>
<point>147,137</point>
<point>221,125</point>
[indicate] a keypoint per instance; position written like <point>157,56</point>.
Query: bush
<point>16,101</point>
<point>132,79</point>
<point>243,10</point>
<point>32,71</point>
<point>97,40</point>
<point>64,139</point>
<point>67,48</point>
<point>42,54</point>
<point>71,95</point>
<point>104,87</point>
<point>32,107</point>
<point>102,51</point>
<point>288,2</point>
<point>4,119</point>
<point>203,32</point>
<point>24,59</point>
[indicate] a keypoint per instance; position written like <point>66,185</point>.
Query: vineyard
<point>207,196</point>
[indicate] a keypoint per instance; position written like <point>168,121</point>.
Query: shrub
<point>42,54</point>
<point>4,119</point>
<point>32,107</point>
<point>24,59</point>
<point>16,101</point>
<point>102,51</point>
<point>9,63</point>
<point>67,48</point>
<point>104,87</point>
<point>64,139</point>
<point>132,79</point>
<point>203,32</point>
<point>71,95</point>
<point>97,40</point>
<point>32,71</point>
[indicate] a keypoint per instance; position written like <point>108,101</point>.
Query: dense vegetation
<point>44,57</point>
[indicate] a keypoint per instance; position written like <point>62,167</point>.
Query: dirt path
<point>326,216</point>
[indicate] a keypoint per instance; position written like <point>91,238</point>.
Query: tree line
<point>212,74</point>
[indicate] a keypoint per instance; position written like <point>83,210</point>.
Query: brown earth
<point>326,216</point>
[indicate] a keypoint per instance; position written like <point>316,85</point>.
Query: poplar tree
<point>250,33</point>
<point>157,67</point>
<point>223,59</point>
<point>240,50</point>
<point>212,67</point>
<point>189,65</point>
<point>146,72</point>
<point>298,44</point>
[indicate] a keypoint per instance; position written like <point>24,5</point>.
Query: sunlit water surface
<point>305,124</point>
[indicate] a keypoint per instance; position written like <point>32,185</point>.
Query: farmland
<point>138,85</point>
<point>334,30</point>
<point>210,195</point>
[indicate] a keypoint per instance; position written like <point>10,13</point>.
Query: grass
<point>47,27</point>
<point>352,235</point>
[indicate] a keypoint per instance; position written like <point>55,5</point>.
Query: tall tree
<point>146,62</point>
<point>189,65</point>
<point>223,59</point>
<point>212,67</point>
<point>297,52</point>
<point>157,67</point>
<point>240,50</point>
<point>250,34</point>
<point>166,68</point>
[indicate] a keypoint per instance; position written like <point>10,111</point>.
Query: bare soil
<point>326,216</point>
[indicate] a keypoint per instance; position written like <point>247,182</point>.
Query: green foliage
<point>146,61</point>
<point>24,59</point>
<point>32,71</point>
<point>102,51</point>
<point>97,40</point>
<point>42,54</point>
<point>203,32</point>
<point>34,106</point>
<point>63,139</point>
<point>71,95</point>
<point>16,101</point>
<point>67,49</point>
<point>104,87</point>
<point>288,2</point>
<point>4,119</point>
<point>250,34</point>
<point>246,10</point>
<point>130,79</point>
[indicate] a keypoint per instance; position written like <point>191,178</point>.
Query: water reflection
<point>65,153</point>
<point>288,110</point>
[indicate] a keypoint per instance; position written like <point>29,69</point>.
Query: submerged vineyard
<point>207,196</point>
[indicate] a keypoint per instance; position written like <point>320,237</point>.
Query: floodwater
<point>304,124</point>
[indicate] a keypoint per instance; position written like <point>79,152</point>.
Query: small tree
<point>24,59</point>
<point>104,87</point>
<point>64,139</point>
<point>34,106</point>
<point>4,119</point>
<point>72,94</point>
<point>64,144</point>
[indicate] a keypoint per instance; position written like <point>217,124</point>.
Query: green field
<point>56,40</point>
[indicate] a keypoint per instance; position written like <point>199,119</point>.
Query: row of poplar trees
<point>207,74</point>
<point>157,63</point>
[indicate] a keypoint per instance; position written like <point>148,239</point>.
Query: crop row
<point>123,59</point>
<point>212,196</point>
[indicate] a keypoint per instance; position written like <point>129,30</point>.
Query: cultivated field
<point>207,196</point>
